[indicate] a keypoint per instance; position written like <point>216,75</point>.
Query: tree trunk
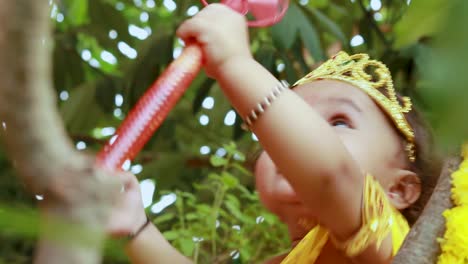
<point>421,246</point>
<point>76,194</point>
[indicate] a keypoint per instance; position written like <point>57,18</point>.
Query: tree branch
<point>26,99</point>
<point>76,194</point>
<point>421,246</point>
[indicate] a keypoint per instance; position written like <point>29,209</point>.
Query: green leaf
<point>239,156</point>
<point>270,219</point>
<point>291,74</point>
<point>229,180</point>
<point>186,246</point>
<point>164,218</point>
<point>213,176</point>
<point>230,148</point>
<point>233,200</point>
<point>311,38</point>
<point>295,22</point>
<point>241,168</point>
<point>204,209</point>
<point>266,57</point>
<point>192,216</point>
<point>424,18</point>
<point>234,209</point>
<point>203,187</point>
<point>284,33</point>
<point>171,234</point>
<point>18,220</point>
<point>187,195</point>
<point>443,65</point>
<point>319,3</point>
<point>218,161</point>
<point>297,55</point>
<point>77,12</point>
<point>247,194</point>
<point>329,25</point>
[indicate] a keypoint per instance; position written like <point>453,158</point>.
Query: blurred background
<point>195,173</point>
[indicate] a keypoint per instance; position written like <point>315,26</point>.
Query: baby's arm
<point>303,146</point>
<point>300,142</point>
<point>148,246</point>
<point>305,149</point>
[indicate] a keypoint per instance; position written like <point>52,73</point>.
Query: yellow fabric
<point>308,250</point>
<point>399,231</point>
<point>379,218</point>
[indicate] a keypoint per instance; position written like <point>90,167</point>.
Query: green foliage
<point>107,52</point>
<point>223,221</point>
<point>423,22</point>
<point>295,24</point>
<point>437,43</point>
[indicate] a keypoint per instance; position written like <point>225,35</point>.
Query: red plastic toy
<point>154,106</point>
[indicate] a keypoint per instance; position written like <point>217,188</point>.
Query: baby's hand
<point>220,32</point>
<point>128,214</point>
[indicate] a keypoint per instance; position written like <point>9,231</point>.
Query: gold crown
<point>352,69</point>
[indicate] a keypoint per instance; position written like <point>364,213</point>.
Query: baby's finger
<point>128,180</point>
<point>215,9</point>
<point>192,30</point>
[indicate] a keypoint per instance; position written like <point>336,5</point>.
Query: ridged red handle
<point>151,110</point>
<point>154,106</point>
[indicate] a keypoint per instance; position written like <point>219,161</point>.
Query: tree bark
<point>421,246</point>
<point>77,195</point>
<point>31,126</point>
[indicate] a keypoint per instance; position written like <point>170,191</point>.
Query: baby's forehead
<point>326,90</point>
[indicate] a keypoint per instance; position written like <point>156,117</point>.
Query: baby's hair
<point>427,164</point>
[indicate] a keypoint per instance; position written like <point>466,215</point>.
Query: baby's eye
<point>340,122</point>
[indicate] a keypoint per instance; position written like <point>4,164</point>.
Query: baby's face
<point>364,130</point>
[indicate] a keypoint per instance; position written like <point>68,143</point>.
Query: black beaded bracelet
<point>132,235</point>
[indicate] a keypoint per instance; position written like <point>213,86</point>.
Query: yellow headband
<point>352,69</point>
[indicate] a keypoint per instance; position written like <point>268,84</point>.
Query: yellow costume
<point>379,218</point>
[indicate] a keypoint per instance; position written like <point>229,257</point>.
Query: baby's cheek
<point>275,192</point>
<point>265,192</point>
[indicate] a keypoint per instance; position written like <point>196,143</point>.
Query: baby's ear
<point>405,190</point>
